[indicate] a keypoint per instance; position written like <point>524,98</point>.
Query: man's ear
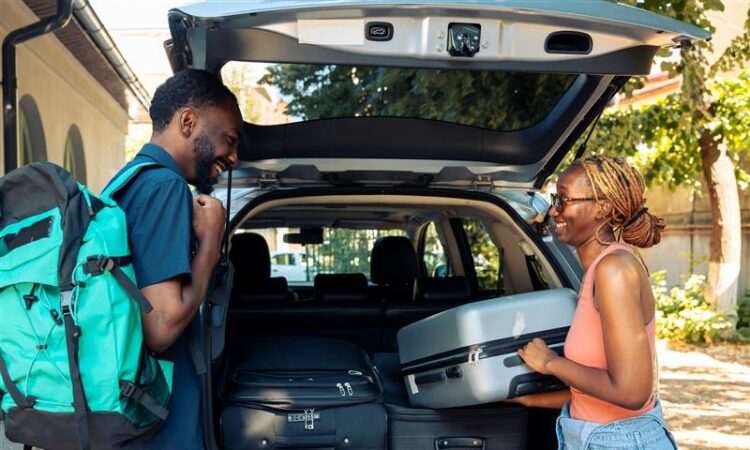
<point>187,121</point>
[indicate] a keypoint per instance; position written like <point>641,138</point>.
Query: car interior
<point>417,255</point>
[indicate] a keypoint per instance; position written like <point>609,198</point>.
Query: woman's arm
<point>628,380</point>
<point>554,400</point>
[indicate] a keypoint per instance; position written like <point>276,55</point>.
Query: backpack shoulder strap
<point>125,178</point>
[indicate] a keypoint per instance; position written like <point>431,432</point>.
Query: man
<point>175,238</point>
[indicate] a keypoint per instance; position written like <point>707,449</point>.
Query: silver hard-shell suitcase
<point>467,355</point>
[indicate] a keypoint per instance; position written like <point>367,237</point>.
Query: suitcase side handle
<point>459,442</point>
<point>451,373</point>
<point>515,360</point>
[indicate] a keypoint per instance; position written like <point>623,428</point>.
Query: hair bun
<point>643,230</point>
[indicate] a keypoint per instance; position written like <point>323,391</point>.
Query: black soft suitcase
<point>294,393</point>
<point>485,427</point>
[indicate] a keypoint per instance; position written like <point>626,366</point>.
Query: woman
<point>609,361</point>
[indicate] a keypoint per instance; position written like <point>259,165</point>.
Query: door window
<point>434,259</point>
<point>487,258</point>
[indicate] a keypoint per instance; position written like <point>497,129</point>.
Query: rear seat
<point>340,308</point>
<point>393,267</point>
<point>343,306</point>
<point>252,261</point>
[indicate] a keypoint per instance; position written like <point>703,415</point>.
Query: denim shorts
<point>645,432</point>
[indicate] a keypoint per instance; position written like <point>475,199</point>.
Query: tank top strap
<point>587,287</point>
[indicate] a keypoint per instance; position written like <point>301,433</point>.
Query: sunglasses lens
<point>557,203</point>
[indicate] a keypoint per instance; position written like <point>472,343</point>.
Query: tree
<point>495,100</point>
<point>700,130</point>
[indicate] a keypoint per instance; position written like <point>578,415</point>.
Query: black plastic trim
<point>577,34</point>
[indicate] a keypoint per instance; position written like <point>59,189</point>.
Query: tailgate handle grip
<point>459,442</point>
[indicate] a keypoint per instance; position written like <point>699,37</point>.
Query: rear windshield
<point>272,94</point>
<point>343,250</point>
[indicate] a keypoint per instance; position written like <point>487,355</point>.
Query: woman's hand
<point>537,355</point>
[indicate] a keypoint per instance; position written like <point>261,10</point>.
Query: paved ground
<point>706,395</point>
<point>705,392</point>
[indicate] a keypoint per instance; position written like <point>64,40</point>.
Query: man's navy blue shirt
<point>159,211</point>
<point>158,207</point>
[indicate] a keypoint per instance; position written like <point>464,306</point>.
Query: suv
<point>433,123</point>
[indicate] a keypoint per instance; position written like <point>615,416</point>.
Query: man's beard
<point>205,156</point>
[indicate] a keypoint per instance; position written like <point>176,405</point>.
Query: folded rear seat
<point>394,269</point>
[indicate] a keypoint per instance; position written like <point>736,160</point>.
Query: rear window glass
<point>271,94</point>
<point>343,250</point>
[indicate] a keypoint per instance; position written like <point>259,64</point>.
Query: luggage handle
<point>459,442</point>
<point>515,360</point>
<point>451,373</point>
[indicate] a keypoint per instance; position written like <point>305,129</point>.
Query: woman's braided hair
<point>614,180</point>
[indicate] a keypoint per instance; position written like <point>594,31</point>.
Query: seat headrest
<point>393,261</point>
<point>341,287</point>
<point>251,257</point>
<point>445,290</point>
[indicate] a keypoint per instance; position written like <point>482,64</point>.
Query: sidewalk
<point>706,395</point>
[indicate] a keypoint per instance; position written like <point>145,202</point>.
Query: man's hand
<point>537,355</point>
<point>209,218</point>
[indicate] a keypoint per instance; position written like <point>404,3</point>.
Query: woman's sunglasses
<point>558,201</point>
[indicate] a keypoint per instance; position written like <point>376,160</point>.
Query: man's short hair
<point>187,88</point>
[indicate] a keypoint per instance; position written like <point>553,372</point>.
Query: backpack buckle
<point>127,389</point>
<point>97,265</point>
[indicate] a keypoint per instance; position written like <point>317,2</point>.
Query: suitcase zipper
<point>473,354</point>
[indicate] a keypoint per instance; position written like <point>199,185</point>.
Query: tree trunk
<point>726,235</point>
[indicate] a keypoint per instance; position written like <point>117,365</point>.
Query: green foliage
<point>435,260</point>
<point>683,314</point>
<point>659,139</point>
<point>495,100</point>
<point>743,318</point>
<point>487,257</point>
<point>737,53</point>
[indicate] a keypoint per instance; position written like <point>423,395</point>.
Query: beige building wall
<point>67,94</point>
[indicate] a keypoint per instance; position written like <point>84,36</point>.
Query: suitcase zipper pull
<point>341,389</point>
<point>349,389</point>
<point>474,356</point>
<point>355,372</point>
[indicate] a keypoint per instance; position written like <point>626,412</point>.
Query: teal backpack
<point>75,371</point>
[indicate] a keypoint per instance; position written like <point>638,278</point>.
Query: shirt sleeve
<point>161,235</point>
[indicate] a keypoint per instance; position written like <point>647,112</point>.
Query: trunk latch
<point>483,183</point>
